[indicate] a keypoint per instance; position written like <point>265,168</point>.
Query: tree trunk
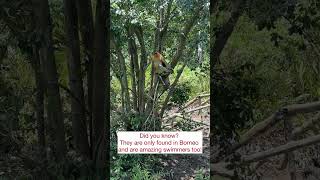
<point>86,29</point>
<point>79,125</point>
<point>143,66</point>
<point>159,37</point>
<point>38,73</point>
<point>54,107</point>
<point>132,47</point>
<point>101,82</point>
<point>218,40</point>
<point>123,75</point>
<point>223,35</point>
<point>164,25</point>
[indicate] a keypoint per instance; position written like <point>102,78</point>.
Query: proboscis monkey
<point>161,68</point>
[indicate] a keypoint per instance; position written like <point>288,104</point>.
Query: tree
<point>35,30</point>
<point>78,107</point>
<point>280,23</point>
<point>85,16</point>
<point>38,73</point>
<point>142,93</point>
<point>100,109</point>
<point>54,108</point>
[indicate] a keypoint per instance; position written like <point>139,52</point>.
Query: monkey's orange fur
<point>161,68</point>
<point>158,61</point>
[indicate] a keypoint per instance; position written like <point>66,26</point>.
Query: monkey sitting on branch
<point>162,69</point>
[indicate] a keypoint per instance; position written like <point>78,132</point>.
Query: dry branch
<point>274,118</point>
<point>221,170</point>
<point>289,147</point>
<point>193,100</point>
<point>197,109</point>
<point>205,102</point>
<point>306,126</point>
<point>186,112</point>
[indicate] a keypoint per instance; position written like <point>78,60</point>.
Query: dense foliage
<point>235,95</point>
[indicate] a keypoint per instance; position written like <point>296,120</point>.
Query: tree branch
<point>164,105</point>
<point>74,97</point>
<point>183,36</point>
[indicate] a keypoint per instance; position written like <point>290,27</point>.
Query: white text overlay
<point>159,142</point>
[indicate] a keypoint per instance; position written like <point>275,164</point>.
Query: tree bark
<point>54,107</point>
<point>79,125</point>
<point>101,82</point>
<point>85,17</point>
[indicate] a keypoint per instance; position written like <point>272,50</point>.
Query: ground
<point>186,167</point>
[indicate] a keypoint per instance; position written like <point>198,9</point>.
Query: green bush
<point>136,167</point>
<point>132,166</point>
<point>200,175</point>
<point>181,94</point>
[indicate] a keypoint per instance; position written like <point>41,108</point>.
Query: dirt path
<point>270,170</point>
<point>186,167</point>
